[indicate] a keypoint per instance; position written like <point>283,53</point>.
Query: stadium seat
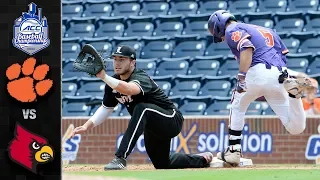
<point>272,6</point>
<point>101,44</point>
<point>298,64</point>
<point>154,8</point>
<point>169,25</point>
<point>190,48</point>
<point>310,45</point>
<point>314,67</point>
<point>193,106</point>
<point>312,21</point>
<point>219,107</point>
<point>292,44</point>
<point>174,66</point>
<point>148,65</point>
<point>97,9</point>
<point>242,6</point>
<point>81,27</point>
<point>110,27</point>
<point>63,30</point>
<point>209,6</point>
<point>215,88</point>
<point>76,106</point>
<point>68,71</point>
<point>72,9</point>
<point>218,49</point>
<point>124,112</point>
<point>177,100</point>
<point>230,67</point>
<point>165,86</point>
<point>259,18</point>
<point>129,8</point>
<point>69,86</point>
<point>254,108</point>
<point>93,86</point>
<point>183,7</point>
<point>286,22</point>
<point>139,26</point>
<point>305,5</point>
<point>130,41</point>
<point>185,88</point>
<point>116,110</point>
<point>204,67</point>
<point>70,48</point>
<point>196,24</point>
<point>109,68</point>
<point>156,48</point>
<point>268,111</point>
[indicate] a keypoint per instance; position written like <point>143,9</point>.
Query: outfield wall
<point>265,140</point>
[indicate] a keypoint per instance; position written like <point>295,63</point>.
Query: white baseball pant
<point>261,81</point>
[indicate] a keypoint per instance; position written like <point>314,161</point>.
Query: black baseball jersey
<point>150,93</point>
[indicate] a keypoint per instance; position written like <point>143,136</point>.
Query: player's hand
<point>241,83</point>
<point>78,130</point>
<point>101,74</point>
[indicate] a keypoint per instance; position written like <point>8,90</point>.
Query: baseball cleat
<point>208,156</point>
<point>296,87</point>
<point>116,164</point>
<point>230,155</point>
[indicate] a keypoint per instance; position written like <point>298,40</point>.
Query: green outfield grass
<point>225,174</point>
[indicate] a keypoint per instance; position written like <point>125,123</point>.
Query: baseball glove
<point>89,61</point>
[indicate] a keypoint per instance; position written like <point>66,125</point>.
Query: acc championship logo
<point>70,146</point>
<point>313,147</point>
<point>30,31</point>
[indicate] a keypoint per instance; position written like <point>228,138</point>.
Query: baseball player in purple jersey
<point>262,72</point>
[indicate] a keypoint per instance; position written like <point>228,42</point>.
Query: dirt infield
<point>95,168</point>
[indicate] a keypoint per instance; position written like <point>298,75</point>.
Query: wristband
<point>242,74</point>
<point>112,82</point>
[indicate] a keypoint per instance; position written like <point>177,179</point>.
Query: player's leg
<point>158,149</point>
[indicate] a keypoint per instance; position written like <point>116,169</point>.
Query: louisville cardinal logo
<point>28,149</point>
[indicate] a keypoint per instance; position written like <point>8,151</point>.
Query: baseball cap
<point>125,51</point>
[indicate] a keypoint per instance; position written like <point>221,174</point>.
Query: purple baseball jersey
<point>267,46</point>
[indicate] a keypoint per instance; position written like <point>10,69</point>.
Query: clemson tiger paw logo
<point>32,82</point>
<point>236,36</point>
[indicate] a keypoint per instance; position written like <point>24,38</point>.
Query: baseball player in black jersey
<point>152,113</point>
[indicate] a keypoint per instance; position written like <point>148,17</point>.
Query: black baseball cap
<point>124,51</point>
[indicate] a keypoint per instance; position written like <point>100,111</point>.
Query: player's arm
<point>99,117</point>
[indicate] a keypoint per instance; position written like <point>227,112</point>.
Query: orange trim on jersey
<point>285,51</point>
<point>244,37</point>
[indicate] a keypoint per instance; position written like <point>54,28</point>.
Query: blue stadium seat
<point>219,107</point>
<point>185,88</point>
<point>242,6</point>
<point>210,6</point>
<point>116,110</point>
<point>190,48</point>
<point>97,9</point>
<point>139,26</point>
<point>124,112</point>
<point>169,25</point>
<point>69,72</point>
<point>148,65</point>
<point>314,67</point>
<point>76,106</point>
<point>70,48</point>
<point>305,5</point>
<point>101,44</point>
<point>110,27</point>
<point>156,48</point>
<point>177,100</point>
<point>175,66</point>
<point>298,64</point>
<point>204,66</point>
<point>218,49</point>
<point>292,44</point>
<point>165,86</point>
<point>272,6</point>
<point>183,7</point>
<point>194,106</point>
<point>81,27</point>
<point>310,45</point>
<point>312,21</point>
<point>69,86</point>
<point>254,108</point>
<point>286,22</point>
<point>93,86</point>
<point>72,9</point>
<point>129,8</point>
<point>230,67</point>
<point>109,66</point>
<point>268,111</point>
<point>154,8</point>
<point>259,18</point>
<point>64,29</point>
<point>263,22</point>
<point>215,88</point>
<point>130,41</point>
<point>196,24</point>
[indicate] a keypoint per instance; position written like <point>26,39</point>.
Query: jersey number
<point>268,36</point>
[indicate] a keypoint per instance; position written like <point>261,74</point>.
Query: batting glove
<point>241,83</point>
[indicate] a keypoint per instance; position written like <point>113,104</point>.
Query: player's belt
<point>268,66</point>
